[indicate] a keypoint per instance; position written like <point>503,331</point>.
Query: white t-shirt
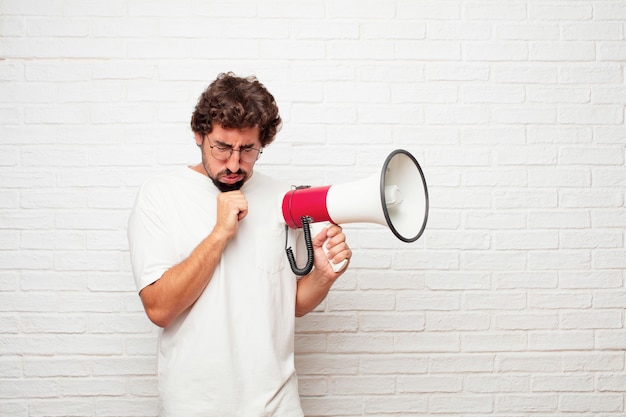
<point>232,353</point>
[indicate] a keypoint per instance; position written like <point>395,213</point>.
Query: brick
<point>559,300</point>
<point>429,384</point>
<point>331,406</point>
<point>91,387</point>
<point>395,404</point>
<point>427,342</point>
<point>390,280</point>
<point>10,367</point>
<point>591,74</point>
<point>493,51</point>
<point>500,342</point>
<point>591,403</point>
<point>535,403</point>
<point>61,408</point>
<point>381,30</point>
<point>118,324</point>
<point>612,382</point>
<point>442,71</point>
<point>323,364</point>
<point>600,279</point>
<point>526,321</point>
<point>527,32</point>
<point>56,367</point>
<point>525,279</point>
<point>363,385</point>
<point>14,408</point>
<point>9,324</point>
<point>525,74</point>
<point>559,95</point>
<point>11,71</point>
<point>522,240</point>
<point>532,199</point>
<point>561,134</point>
<point>393,364</point>
<point>112,407</point>
<point>444,321</point>
<point>602,115</point>
<point>369,9</point>
<point>562,383</point>
<point>528,362</point>
<point>610,340</point>
<point>557,341</point>
<point>430,10</point>
<point>305,9</point>
<point>28,388</point>
<point>484,10</point>
<point>360,343</point>
<point>485,301</point>
<point>316,323</point>
<point>53,324</point>
<point>591,31</point>
<point>539,114</point>
<point>143,387</point>
<point>390,322</point>
<point>611,51</point>
<point>498,383</point>
<point>557,11</point>
<point>562,51</point>
<point>351,301</point>
<point>449,30</point>
<point>112,366</point>
<point>456,404</point>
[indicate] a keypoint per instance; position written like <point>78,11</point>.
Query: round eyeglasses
<point>224,152</point>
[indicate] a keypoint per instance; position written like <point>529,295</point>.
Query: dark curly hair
<point>237,102</point>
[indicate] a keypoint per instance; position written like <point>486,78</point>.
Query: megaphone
<point>396,197</point>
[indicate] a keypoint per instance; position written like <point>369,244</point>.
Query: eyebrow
<point>226,145</point>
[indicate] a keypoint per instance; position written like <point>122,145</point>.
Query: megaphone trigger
<point>316,228</point>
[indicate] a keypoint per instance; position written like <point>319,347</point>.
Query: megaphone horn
<point>397,197</point>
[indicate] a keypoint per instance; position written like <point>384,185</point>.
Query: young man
<point>207,250</point>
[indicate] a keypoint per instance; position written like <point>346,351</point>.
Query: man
<point>207,249</point>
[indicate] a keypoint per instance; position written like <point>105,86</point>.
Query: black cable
<point>306,221</point>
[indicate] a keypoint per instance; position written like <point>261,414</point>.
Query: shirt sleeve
<point>150,248</point>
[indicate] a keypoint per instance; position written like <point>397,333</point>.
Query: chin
<point>223,187</point>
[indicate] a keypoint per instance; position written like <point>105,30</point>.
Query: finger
<point>339,252</point>
<point>333,230</point>
<point>243,212</point>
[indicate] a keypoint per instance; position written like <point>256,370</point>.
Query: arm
<point>181,285</point>
<point>313,288</point>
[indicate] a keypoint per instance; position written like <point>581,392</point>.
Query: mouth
<point>231,179</point>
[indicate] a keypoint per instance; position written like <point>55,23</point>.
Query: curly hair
<point>237,102</point>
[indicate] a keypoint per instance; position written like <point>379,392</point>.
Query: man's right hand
<point>232,207</point>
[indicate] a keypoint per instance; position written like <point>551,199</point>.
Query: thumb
<point>319,239</point>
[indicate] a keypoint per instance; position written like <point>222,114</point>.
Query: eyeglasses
<point>223,152</point>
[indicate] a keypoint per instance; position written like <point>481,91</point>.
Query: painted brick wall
<point>511,305</point>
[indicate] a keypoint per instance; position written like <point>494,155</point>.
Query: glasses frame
<point>222,148</point>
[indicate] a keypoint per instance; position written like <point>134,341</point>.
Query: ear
<point>199,138</point>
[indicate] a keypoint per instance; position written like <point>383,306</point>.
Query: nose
<point>232,163</point>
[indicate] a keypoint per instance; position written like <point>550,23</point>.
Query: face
<point>231,173</point>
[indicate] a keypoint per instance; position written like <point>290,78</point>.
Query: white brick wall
<point>512,303</point>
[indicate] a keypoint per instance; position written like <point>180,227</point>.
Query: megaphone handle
<point>316,228</point>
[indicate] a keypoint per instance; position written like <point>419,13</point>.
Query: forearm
<point>311,291</point>
<point>180,286</point>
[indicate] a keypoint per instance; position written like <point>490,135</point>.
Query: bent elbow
<point>155,312</point>
<point>158,317</point>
